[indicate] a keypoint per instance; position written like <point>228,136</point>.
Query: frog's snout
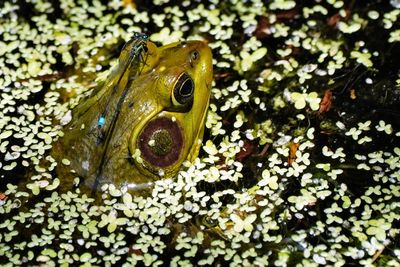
<point>161,142</point>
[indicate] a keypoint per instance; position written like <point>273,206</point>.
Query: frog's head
<point>144,120</point>
<point>172,132</point>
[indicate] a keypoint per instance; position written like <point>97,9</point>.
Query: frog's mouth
<point>161,142</point>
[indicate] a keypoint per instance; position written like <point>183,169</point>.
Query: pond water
<point>300,160</point>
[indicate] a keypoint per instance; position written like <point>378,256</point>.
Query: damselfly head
<point>140,36</point>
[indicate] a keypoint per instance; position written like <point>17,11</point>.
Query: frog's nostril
<point>195,55</point>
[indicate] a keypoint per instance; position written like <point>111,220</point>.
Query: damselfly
<point>131,58</point>
<point>130,61</point>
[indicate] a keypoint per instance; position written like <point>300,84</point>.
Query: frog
<point>142,122</point>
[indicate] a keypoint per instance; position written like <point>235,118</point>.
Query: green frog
<point>143,121</point>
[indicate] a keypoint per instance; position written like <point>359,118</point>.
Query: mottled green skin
<point>104,154</point>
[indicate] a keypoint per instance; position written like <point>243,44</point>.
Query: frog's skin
<point>143,121</point>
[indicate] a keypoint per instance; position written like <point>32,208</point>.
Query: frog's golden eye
<point>183,90</point>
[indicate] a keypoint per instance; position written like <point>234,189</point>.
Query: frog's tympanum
<point>144,120</point>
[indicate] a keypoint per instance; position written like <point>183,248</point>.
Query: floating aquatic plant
<point>280,181</point>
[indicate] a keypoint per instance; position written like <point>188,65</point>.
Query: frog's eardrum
<point>161,142</point>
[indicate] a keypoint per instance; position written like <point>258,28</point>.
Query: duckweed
<point>281,180</point>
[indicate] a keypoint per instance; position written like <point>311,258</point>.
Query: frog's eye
<point>183,90</point>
